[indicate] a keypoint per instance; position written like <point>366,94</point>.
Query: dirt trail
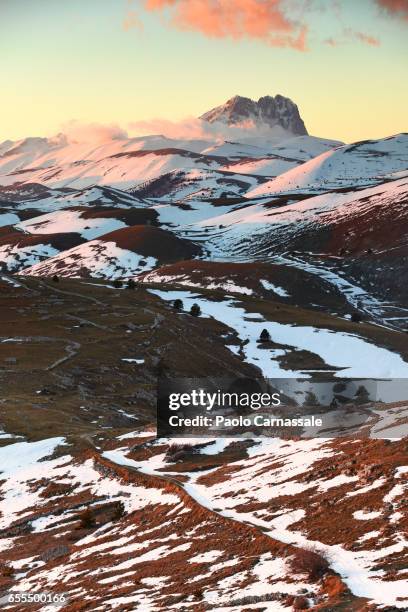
<point>71,349</point>
<point>72,293</point>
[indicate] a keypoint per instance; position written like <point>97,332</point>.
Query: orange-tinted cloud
<point>350,34</point>
<point>364,38</point>
<point>367,39</point>
<point>132,20</point>
<point>78,132</point>
<point>193,128</point>
<point>264,20</point>
<point>398,8</point>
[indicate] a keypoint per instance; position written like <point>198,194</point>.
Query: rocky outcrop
<point>268,110</point>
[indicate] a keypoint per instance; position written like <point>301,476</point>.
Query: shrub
<point>117,283</point>
<point>178,304</point>
<point>86,519</point>
<point>300,603</point>
<point>310,562</point>
<point>119,511</point>
<point>55,278</point>
<point>176,452</point>
<point>195,310</point>
<point>265,336</point>
<point>131,284</point>
<point>356,317</point>
<point>54,553</point>
<point>339,387</point>
<point>6,570</point>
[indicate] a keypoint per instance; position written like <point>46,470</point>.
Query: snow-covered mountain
<point>349,166</point>
<point>276,230</point>
<point>127,164</point>
<point>271,191</point>
<point>268,110</point>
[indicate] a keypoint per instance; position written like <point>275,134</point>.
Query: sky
<point>129,63</point>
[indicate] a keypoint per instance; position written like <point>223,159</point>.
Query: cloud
<point>78,132</point>
<point>331,42</point>
<point>192,128</point>
<point>350,34</point>
<point>367,39</point>
<point>397,8</point>
<point>264,20</point>
<point>131,21</point>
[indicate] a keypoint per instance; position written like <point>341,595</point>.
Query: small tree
<point>178,304</point>
<point>362,396</point>
<point>195,310</point>
<point>311,399</point>
<point>339,387</point>
<point>265,336</point>
<point>311,562</point>
<point>131,284</point>
<point>55,278</point>
<point>117,283</point>
<point>356,317</point>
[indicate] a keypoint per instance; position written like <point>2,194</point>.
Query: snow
<point>374,485</point>
<point>225,284</point>
<point>348,165</point>
<point>354,356</point>
<point>216,447</point>
<point>101,259</point>
<point>337,481</point>
<point>272,470</point>
<point>271,287</point>
<point>131,360</point>
<point>128,162</point>
<point>368,536</point>
<point>15,257</point>
<point>70,221</point>
<point>19,462</point>
<point>136,434</point>
<point>17,459</point>
<point>5,435</point>
<point>208,557</point>
<point>8,219</point>
<point>362,515</point>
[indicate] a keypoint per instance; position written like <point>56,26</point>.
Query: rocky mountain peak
<point>268,110</point>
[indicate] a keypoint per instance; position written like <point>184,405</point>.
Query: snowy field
<point>353,356</point>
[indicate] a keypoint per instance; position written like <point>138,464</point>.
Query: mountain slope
<point>348,166</point>
<point>121,253</point>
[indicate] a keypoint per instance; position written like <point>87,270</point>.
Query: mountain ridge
<point>267,110</point>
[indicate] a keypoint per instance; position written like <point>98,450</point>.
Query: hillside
<point>252,253</point>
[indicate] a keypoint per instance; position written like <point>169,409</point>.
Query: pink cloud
<point>75,131</point>
<point>350,34</point>
<point>192,128</point>
<point>397,8</point>
<point>331,42</point>
<point>366,39</point>
<point>132,20</point>
<point>263,20</point>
